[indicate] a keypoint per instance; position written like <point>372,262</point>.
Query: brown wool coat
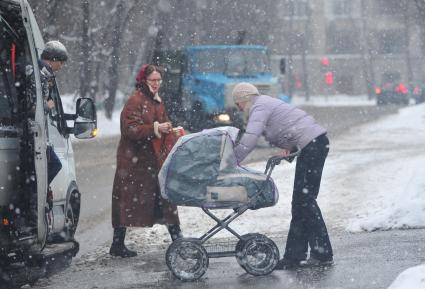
<point>136,199</point>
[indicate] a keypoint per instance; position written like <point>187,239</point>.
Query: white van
<point>33,222</point>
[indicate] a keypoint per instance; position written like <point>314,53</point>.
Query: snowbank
<point>412,278</point>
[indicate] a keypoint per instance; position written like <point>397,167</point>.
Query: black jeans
<point>307,225</point>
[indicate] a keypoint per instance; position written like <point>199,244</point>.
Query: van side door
<point>38,125</point>
<point>58,141</point>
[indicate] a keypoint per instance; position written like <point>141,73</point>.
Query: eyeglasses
<point>154,80</point>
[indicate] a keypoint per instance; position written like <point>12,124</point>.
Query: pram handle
<point>276,160</point>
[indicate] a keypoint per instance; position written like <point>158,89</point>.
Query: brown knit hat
<point>243,92</point>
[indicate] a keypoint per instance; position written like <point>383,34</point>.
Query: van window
<point>7,74</point>
<point>56,115</point>
<point>14,60</point>
<point>6,105</point>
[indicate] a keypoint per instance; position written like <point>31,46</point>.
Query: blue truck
<point>199,80</point>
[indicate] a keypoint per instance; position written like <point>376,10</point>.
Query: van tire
<point>72,215</point>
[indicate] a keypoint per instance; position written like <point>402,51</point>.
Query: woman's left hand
<point>284,153</point>
<point>165,127</point>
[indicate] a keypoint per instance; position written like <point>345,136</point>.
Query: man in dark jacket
<point>288,127</point>
<point>53,58</point>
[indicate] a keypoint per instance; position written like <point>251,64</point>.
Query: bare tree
<point>367,61</point>
<point>120,21</point>
<point>420,4</point>
<point>85,75</point>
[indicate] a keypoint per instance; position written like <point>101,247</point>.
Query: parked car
<point>392,90</point>
<point>418,92</point>
<point>34,224</point>
<point>392,93</point>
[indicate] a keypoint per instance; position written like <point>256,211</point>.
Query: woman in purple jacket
<point>288,127</point>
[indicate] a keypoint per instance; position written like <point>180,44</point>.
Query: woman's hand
<point>284,153</point>
<point>165,127</point>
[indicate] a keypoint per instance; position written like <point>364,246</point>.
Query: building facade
<point>347,46</point>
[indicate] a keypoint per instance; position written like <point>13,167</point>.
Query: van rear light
<point>5,222</point>
<point>377,90</point>
<point>401,88</point>
<point>417,90</point>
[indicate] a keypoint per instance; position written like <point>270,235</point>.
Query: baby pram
<point>201,171</point>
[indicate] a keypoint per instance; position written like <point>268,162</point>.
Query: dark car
<point>392,90</point>
<point>418,92</point>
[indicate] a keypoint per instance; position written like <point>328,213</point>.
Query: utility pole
<point>306,37</point>
<point>290,49</point>
<point>407,39</point>
<point>85,74</point>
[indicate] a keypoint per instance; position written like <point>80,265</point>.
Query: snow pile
<point>395,185</point>
<point>333,100</point>
<point>412,278</point>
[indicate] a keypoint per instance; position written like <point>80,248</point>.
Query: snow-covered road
<point>373,180</point>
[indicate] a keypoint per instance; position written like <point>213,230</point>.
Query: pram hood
<point>202,171</point>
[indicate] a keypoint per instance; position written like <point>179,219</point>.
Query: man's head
<point>55,54</point>
<point>242,93</point>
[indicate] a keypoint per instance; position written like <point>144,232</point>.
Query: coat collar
<point>146,91</point>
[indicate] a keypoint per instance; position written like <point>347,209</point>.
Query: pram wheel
<point>187,259</point>
<point>257,254</point>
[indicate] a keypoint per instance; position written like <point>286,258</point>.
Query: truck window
<point>247,62</point>
<point>210,61</point>
<point>232,62</point>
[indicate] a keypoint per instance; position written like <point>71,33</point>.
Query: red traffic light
<point>324,61</point>
<point>329,78</point>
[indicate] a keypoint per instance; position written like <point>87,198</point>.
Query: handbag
<point>162,146</point>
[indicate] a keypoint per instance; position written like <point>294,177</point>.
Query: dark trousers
<point>54,164</point>
<point>307,225</point>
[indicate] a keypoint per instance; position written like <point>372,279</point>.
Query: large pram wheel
<point>187,259</point>
<point>257,254</point>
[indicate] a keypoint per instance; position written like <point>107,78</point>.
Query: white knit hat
<point>243,92</point>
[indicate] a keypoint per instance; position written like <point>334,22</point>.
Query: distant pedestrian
<point>288,127</point>
<point>136,198</point>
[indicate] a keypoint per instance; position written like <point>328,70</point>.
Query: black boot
<point>175,232</point>
<point>118,248</point>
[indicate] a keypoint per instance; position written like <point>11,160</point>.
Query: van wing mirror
<point>85,125</point>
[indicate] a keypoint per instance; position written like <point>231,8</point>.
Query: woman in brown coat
<point>136,199</point>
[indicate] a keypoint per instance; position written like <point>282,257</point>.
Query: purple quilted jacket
<point>283,125</point>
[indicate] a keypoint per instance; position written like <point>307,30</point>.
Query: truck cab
<point>34,220</point>
<point>201,82</point>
